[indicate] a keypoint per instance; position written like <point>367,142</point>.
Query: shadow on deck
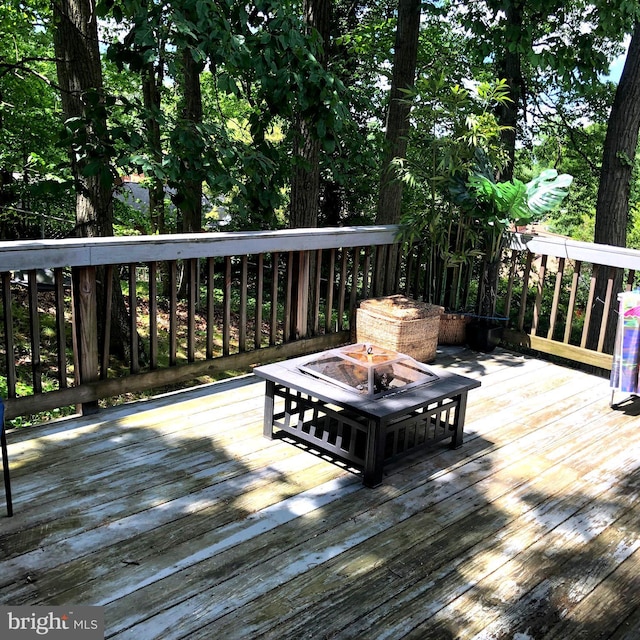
<point>180,519</point>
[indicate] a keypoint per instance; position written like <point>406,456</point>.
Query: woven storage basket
<point>400,324</point>
<point>453,328</point>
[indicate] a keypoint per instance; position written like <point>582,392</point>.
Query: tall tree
<point>389,204</point>
<point>397,121</point>
<point>619,152</point>
<point>305,181</point>
<point>509,65</point>
<point>80,80</point>
<point>91,148</point>
<point>189,144</point>
<point>152,76</point>
<point>618,158</point>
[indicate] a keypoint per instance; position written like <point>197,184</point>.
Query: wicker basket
<point>453,328</point>
<point>400,324</point>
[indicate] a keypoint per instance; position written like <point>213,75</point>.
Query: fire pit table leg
<point>269,395</point>
<point>458,425</point>
<point>374,457</point>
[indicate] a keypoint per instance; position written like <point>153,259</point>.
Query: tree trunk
<point>397,131</point>
<point>397,126</point>
<point>152,105</point>
<point>305,181</point>
<point>612,206</point>
<point>80,79</point>
<point>509,69</point>
<point>189,197</point>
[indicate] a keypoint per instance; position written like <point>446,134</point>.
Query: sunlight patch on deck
<point>262,521</point>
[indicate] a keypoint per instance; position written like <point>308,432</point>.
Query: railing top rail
<point>602,254</point>
<point>44,254</point>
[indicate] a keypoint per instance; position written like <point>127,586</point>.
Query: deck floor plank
<point>441,530</point>
<point>179,518</point>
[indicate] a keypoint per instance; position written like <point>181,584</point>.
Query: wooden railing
<point>569,307</point>
<point>556,296</point>
<point>230,300</point>
<point>206,304</point>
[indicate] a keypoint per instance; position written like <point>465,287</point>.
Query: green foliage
<point>550,36</point>
<point>29,125</point>
<point>263,72</point>
<point>498,205</point>
<point>633,234</point>
<point>457,127</point>
<point>260,73</point>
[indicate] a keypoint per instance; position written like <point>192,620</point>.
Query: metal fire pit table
<point>365,427</point>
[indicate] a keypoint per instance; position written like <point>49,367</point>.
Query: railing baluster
<point>353,298</point>
<point>556,298</point>
<point>331,282</point>
<point>395,283</point>
<point>575,281</point>
<point>607,308</point>
<point>587,315</point>
<point>226,312</point>
<point>133,318</point>
<point>286,326</point>
<point>244,283</point>
<point>210,306</point>
<point>173,313</point>
<point>85,320</point>
<point>192,296</point>
<point>409,270</point>
<point>299,270</point>
<point>257,335</point>
<point>525,291</point>
<point>512,274</point>
<point>366,273</point>
<point>379,270</point>
<point>8,334</point>
<point>106,332</point>
<point>153,315</point>
<point>342,291</point>
<point>273,328</point>
<point>61,336</point>
<point>318,289</point>
<point>34,327</point>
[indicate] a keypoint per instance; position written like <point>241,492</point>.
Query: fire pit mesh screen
<point>368,369</point>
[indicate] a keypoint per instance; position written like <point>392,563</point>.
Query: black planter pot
<point>483,336</point>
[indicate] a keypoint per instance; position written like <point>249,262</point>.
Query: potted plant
<point>455,206</point>
<point>496,207</point>
<point>452,122</point>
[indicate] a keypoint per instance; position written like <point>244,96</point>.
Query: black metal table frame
<point>365,432</point>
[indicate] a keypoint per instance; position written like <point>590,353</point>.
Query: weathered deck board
<point>181,520</point>
<point>466,503</point>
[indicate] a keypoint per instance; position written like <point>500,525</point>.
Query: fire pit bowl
<point>368,369</point>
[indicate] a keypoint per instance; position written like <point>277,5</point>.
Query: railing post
<point>85,330</point>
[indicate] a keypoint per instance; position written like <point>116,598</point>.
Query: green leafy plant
<point>456,126</point>
<point>499,205</point>
<point>496,206</point>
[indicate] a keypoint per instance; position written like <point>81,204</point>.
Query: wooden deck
<point>184,522</point>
